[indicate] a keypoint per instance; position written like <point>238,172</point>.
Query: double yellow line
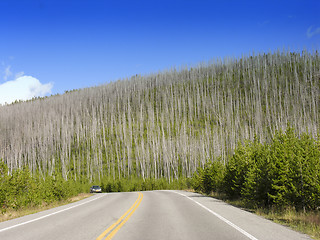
<point>114,228</point>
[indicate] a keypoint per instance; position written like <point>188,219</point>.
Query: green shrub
<point>209,178</point>
<point>282,173</point>
<point>22,189</point>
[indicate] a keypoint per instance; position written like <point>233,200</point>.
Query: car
<point>95,189</point>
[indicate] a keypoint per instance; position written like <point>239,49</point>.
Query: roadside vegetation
<point>22,192</point>
<point>12,213</point>
<point>279,179</point>
<point>306,222</point>
<point>22,189</point>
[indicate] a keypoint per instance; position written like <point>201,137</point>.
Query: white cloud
<point>19,74</point>
<point>7,73</point>
<point>23,88</point>
<point>311,33</point>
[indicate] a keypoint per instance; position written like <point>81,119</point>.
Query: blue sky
<point>58,45</point>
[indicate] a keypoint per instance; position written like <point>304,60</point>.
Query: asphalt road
<point>145,215</point>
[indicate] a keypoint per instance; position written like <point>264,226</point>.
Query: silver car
<point>95,189</point>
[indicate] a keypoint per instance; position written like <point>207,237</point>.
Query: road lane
<point>114,228</point>
<point>87,221</point>
<point>42,216</point>
<point>255,225</point>
<point>159,215</point>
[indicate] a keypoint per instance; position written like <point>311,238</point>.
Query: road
<point>145,215</point>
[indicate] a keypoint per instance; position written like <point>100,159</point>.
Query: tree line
<point>23,189</point>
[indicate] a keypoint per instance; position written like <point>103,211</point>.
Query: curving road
<point>145,215</point>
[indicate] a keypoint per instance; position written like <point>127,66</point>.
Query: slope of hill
<point>165,124</point>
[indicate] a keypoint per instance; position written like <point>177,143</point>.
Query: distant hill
<point>165,124</point>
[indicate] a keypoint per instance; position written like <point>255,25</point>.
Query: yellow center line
<point>121,221</point>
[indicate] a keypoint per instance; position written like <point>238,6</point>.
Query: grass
<point>12,213</point>
<point>305,222</point>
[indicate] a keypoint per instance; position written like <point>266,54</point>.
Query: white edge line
<point>36,219</point>
<point>221,218</point>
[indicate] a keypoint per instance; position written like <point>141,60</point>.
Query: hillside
<point>165,124</point>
